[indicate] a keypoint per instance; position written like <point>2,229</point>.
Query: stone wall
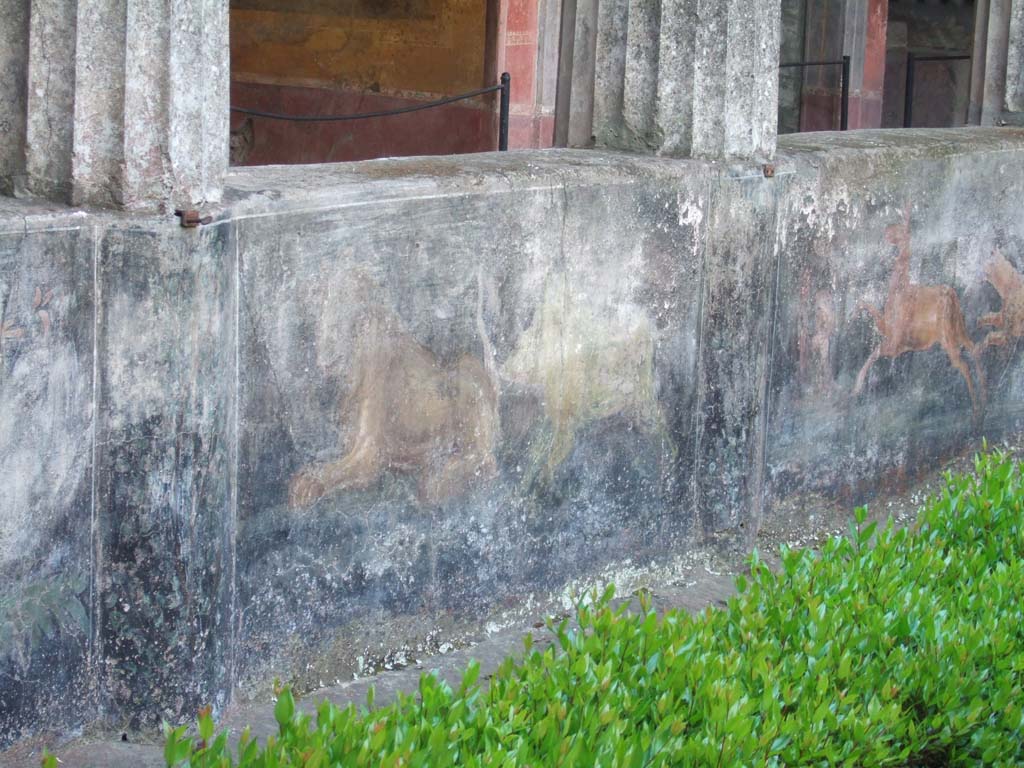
<point>374,397</point>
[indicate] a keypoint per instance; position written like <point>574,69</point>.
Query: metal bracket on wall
<point>191,219</point>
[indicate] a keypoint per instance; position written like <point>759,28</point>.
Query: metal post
<point>908,92</point>
<point>506,87</point>
<point>844,108</point>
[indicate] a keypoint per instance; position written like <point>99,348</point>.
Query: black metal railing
<point>504,87</point>
<point>908,95</point>
<point>844,104</point>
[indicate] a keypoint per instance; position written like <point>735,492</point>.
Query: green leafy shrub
<point>886,647</point>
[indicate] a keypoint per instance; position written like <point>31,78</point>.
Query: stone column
<point>978,57</point>
<point>998,38</point>
<point>50,101</point>
<point>128,102</point>
<point>1015,59</point>
<point>717,79</point>
<point>574,115</point>
<point>13,67</point>
<point>685,78</point>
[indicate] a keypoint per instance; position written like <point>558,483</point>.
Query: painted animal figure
<point>917,317</point>
<point>1010,318</point>
<point>409,413</point>
<point>585,366</point>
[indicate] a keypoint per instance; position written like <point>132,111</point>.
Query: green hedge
<point>886,647</point>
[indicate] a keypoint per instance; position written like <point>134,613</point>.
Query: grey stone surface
<point>675,85</point>
<point>98,167</point>
<point>750,83</point>
<point>692,590</point>
<point>709,96</point>
<point>610,71</point>
<point>979,54</point>
<point>580,131</point>
<point>128,103</point>
<point>640,91</point>
<point>1015,59</point>
<point>13,91</point>
<point>996,51</point>
<point>697,78</point>
<point>51,99</point>
<point>824,437</point>
<point>549,41</point>
<point>47,311</point>
<point>165,470</point>
<point>380,398</point>
<point>198,100</point>
<point>731,379</point>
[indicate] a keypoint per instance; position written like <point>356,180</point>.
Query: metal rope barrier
<point>504,87</point>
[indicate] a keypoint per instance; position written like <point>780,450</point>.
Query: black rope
<point>942,58</point>
<point>364,115</point>
<point>810,64</point>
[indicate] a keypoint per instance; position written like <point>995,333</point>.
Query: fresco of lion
<point>407,412</point>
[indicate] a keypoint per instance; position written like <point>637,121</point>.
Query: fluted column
<point>1015,60</point>
<point>13,91</point>
<point>686,78</point>
<point>127,102</point>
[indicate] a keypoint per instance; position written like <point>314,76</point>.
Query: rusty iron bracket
<point>769,171</point>
<point>191,219</point>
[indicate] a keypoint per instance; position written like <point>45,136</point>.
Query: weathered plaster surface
<point>390,393</point>
<point>164,490</point>
<point>47,308</point>
<point>836,262</point>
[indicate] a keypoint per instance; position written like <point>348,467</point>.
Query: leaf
<point>284,709</point>
<point>471,675</point>
<point>885,647</point>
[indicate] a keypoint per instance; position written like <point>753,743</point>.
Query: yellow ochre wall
<point>402,47</point>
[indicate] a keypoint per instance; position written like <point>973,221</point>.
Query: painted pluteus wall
<point>383,394</point>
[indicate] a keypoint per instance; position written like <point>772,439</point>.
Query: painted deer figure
<point>917,317</point>
<point>1009,320</point>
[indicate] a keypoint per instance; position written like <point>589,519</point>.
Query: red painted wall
<point>452,129</point>
<point>324,57</point>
